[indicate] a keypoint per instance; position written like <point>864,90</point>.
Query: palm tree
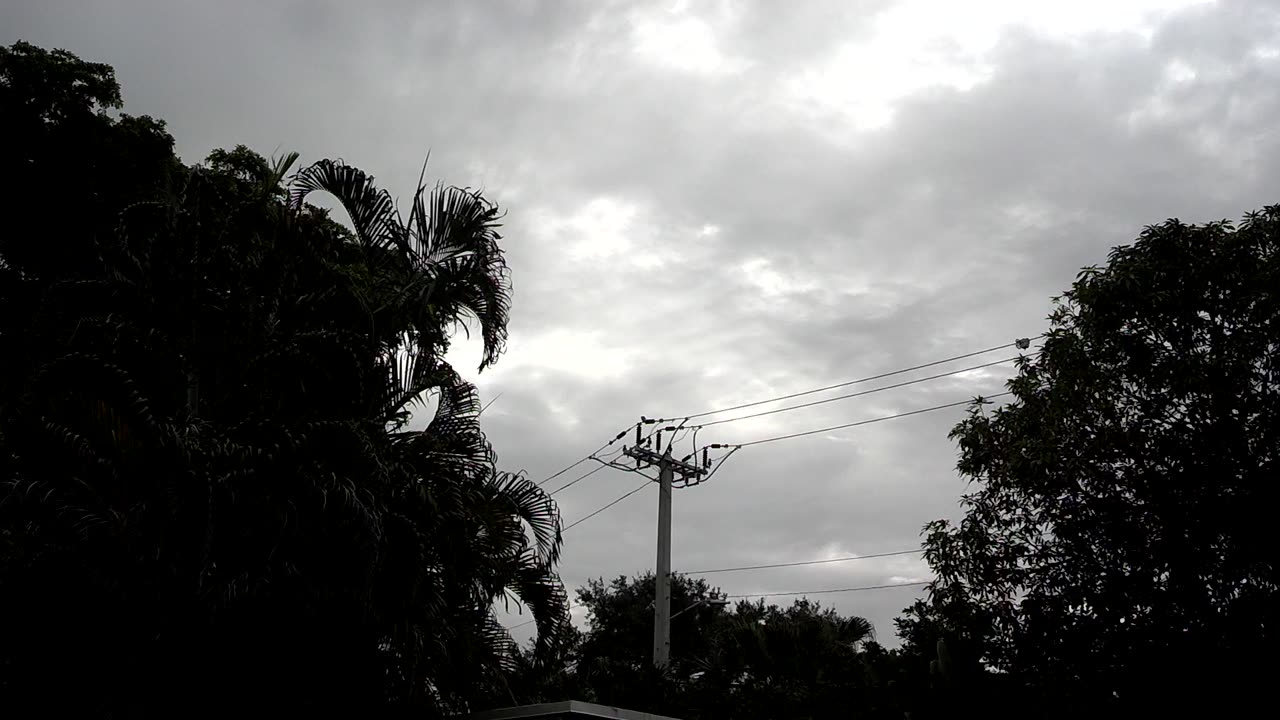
<point>420,279</point>
<point>208,471</point>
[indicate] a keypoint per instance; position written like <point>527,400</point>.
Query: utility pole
<point>667,468</point>
<point>662,580</point>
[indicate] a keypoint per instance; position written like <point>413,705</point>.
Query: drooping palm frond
<point>410,371</point>
<point>372,210</point>
<point>448,264</point>
<point>453,233</point>
<point>540,589</point>
<point>535,507</point>
<point>453,437</point>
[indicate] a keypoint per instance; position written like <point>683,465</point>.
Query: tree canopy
<point>1115,549</point>
<point>211,498</point>
<point>751,660</point>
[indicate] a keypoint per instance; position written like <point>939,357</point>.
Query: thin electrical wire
<point>570,467</point>
<point>720,463</point>
<point>486,405</point>
<point>591,455</point>
<point>613,463</point>
<point>578,479</point>
<point>678,436</point>
<point>648,481</point>
<point>617,465</point>
<point>870,421</point>
<point>825,592</point>
<point>854,382</point>
<point>857,394</point>
<point>530,622</point>
<point>802,562</point>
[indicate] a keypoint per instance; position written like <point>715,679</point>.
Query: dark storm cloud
<point>684,237</point>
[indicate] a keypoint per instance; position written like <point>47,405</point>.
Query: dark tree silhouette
<point>1116,549</point>
<point>211,500</point>
<point>749,661</point>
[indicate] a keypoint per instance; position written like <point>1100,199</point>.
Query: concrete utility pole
<point>667,468</point>
<point>662,580</point>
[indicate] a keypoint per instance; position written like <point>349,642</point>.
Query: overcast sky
<point>711,203</point>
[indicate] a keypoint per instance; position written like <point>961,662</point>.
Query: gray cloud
<point>837,252</point>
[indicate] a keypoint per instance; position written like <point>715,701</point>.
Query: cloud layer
<point>712,203</point>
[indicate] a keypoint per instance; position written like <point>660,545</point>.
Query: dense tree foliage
<point>751,660</point>
<point>211,498</point>
<point>1115,552</point>
<point>212,503</point>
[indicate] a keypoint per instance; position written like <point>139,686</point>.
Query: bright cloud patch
<point>680,41</point>
<point>771,282</point>
<point>919,45</point>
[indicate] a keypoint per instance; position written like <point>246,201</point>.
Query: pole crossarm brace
<point>649,457</point>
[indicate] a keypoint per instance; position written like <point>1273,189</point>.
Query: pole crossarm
<point>649,457</point>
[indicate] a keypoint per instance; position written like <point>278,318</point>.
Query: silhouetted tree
<point>796,662</point>
<point>1117,545</point>
<point>750,661</point>
<point>211,500</point>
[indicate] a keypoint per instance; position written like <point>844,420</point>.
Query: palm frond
<point>279,168</point>
<point>540,588</point>
<point>372,210</point>
<point>535,507</point>
<point>453,234</point>
<point>456,424</point>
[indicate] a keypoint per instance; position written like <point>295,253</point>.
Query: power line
<point>589,456</point>
<point>858,394</point>
<point>802,562</point>
<point>833,590</point>
<point>1020,343</point>
<point>578,479</point>
<point>648,481</point>
<point>868,422</point>
<point>569,467</point>
<point>571,606</point>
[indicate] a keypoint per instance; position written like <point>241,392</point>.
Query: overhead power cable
<point>548,479</point>
<point>648,481</point>
<point>589,456</point>
<point>1021,344</point>
<point>833,590</point>
<point>578,479</point>
<point>868,422</point>
<point>802,562</point>
<point>857,394</point>
<point>530,622</point>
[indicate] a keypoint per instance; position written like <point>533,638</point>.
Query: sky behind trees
<point>712,203</point>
